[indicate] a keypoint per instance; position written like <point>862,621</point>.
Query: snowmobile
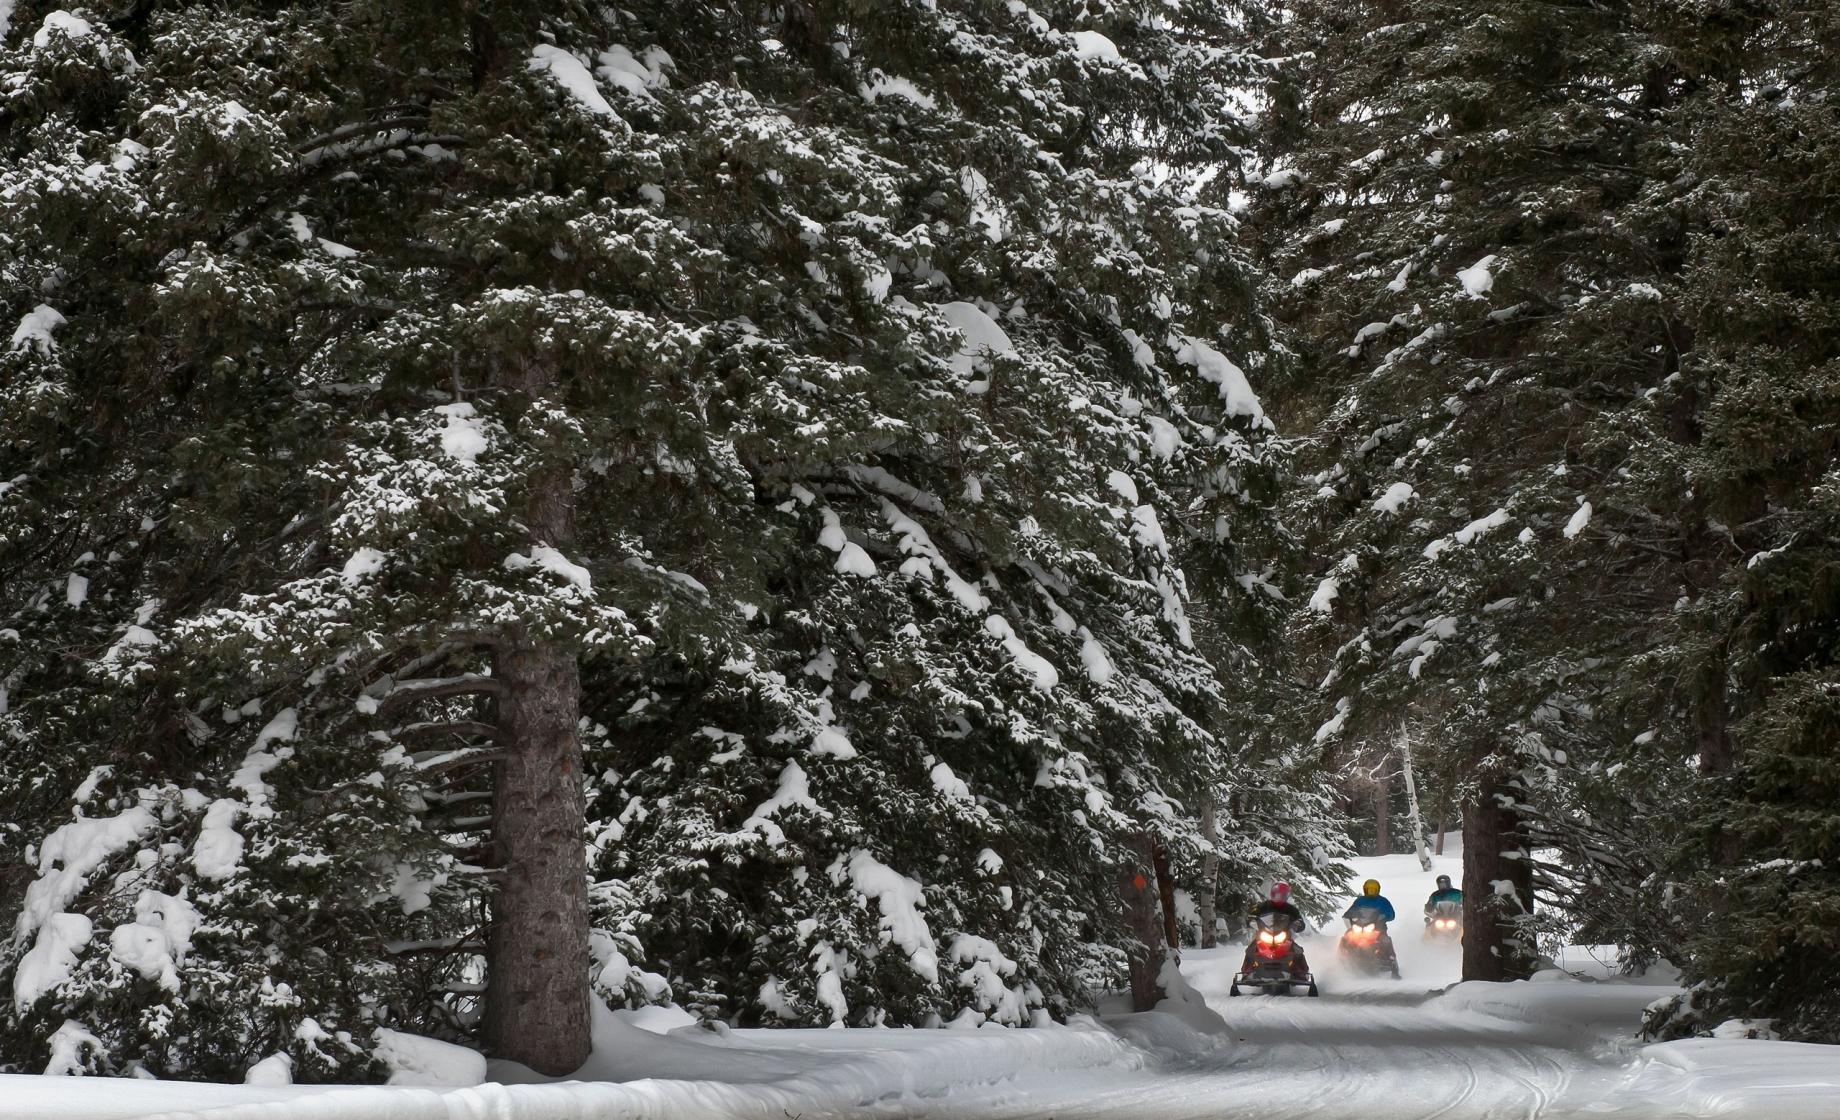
<point>1365,946</point>
<point>1277,967</point>
<point>1445,922</point>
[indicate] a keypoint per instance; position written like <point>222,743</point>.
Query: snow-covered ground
<point>1374,1049</point>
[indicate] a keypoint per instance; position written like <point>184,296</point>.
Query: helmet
<point>1280,893</point>
<point>1443,882</point>
<point>1371,888</point>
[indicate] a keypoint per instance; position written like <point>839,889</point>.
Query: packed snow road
<point>1360,1051</point>
<point>1425,1047</point>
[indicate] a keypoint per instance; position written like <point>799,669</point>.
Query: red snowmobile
<point>1275,966</point>
<point>1366,947</point>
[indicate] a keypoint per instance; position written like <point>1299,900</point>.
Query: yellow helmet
<point>1371,888</point>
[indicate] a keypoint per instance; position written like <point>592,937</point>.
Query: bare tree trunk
<point>536,999</point>
<point>1497,887</point>
<point>1418,824</point>
<point>1210,873</point>
<point>1717,757</point>
<point>1383,782</point>
<point>1446,792</point>
<point>537,949</point>
<point>1166,894</point>
<point>1144,948</point>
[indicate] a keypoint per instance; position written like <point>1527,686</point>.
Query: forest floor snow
<point>1559,1047</point>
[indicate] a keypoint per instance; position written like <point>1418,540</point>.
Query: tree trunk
<point>1717,756</point>
<point>1446,792</point>
<point>1417,822</point>
<point>1143,946</point>
<point>1210,874</point>
<point>1166,893</point>
<point>1713,718</point>
<point>536,999</point>
<point>1497,887</point>
<point>537,949</point>
<point>1383,839</point>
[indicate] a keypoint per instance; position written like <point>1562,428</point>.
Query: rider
<point>1375,905</point>
<point>1279,902</point>
<point>1444,893</point>
<point>1371,899</point>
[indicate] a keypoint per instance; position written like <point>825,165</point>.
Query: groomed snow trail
<point>1424,1047</point>
<point>1404,1053</point>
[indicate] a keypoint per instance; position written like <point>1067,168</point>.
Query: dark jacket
<point>1451,894</point>
<point>1288,909</point>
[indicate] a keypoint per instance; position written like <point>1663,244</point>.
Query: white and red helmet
<point>1281,893</point>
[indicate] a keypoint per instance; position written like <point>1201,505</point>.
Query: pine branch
<point>464,727</point>
<point>436,688</point>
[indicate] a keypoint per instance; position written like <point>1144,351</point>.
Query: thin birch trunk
<point>1417,822</point>
<point>1210,874</point>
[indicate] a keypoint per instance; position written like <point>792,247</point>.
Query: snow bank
<point>686,1074</point>
<point>415,1060</point>
<point>1738,1077</point>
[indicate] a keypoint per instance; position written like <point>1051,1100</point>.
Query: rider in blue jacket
<point>1375,905</point>
<point>1371,899</point>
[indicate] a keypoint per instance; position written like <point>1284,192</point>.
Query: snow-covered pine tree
<point>1573,324</point>
<point>973,683</point>
<point>1480,216</point>
<point>336,555</point>
<point>1760,295</point>
<point>828,406</point>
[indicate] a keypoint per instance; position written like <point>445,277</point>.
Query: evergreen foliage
<point>1570,387</point>
<point>852,398</point>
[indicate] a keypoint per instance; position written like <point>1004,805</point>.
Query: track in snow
<point>1367,1049</point>
<point>1370,1053</point>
